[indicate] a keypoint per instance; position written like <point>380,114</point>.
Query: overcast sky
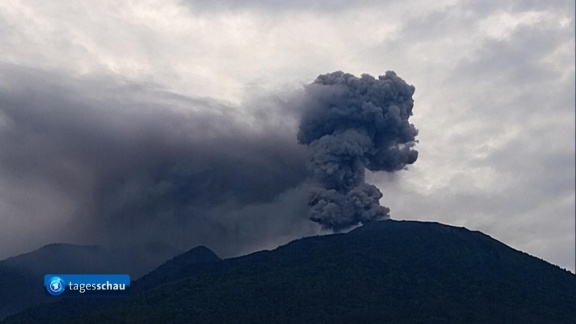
<point>176,120</point>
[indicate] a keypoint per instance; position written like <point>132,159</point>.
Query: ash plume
<point>351,124</point>
<point>100,160</point>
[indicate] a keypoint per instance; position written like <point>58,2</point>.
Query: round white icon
<point>56,286</point>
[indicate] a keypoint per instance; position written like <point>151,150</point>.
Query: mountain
<point>197,260</point>
<point>385,272</point>
<point>21,277</point>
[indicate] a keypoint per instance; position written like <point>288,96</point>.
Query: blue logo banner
<point>87,285</point>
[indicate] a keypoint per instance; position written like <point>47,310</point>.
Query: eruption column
<point>352,124</point>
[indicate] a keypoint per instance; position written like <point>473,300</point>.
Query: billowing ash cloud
<point>103,161</point>
<point>100,160</point>
<point>351,124</point>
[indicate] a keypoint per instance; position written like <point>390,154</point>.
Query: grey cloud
<point>518,58</point>
<point>497,139</point>
<point>136,163</point>
<point>296,5</point>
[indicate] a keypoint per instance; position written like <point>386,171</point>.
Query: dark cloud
<point>133,162</point>
<point>103,160</point>
<point>352,124</point>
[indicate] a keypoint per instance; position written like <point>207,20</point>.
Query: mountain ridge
<point>199,258</point>
<point>389,271</point>
<point>21,276</point>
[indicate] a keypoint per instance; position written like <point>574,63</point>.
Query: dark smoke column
<point>351,124</point>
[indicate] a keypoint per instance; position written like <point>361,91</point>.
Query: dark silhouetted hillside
<point>384,272</point>
<point>198,259</point>
<point>21,277</point>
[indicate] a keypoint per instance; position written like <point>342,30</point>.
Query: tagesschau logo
<point>87,285</point>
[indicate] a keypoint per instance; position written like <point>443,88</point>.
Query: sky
<point>177,120</point>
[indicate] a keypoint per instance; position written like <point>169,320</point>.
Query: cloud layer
<point>98,159</point>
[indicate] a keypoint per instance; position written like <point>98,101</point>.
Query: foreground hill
<point>390,271</point>
<point>21,277</point>
<point>197,260</point>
